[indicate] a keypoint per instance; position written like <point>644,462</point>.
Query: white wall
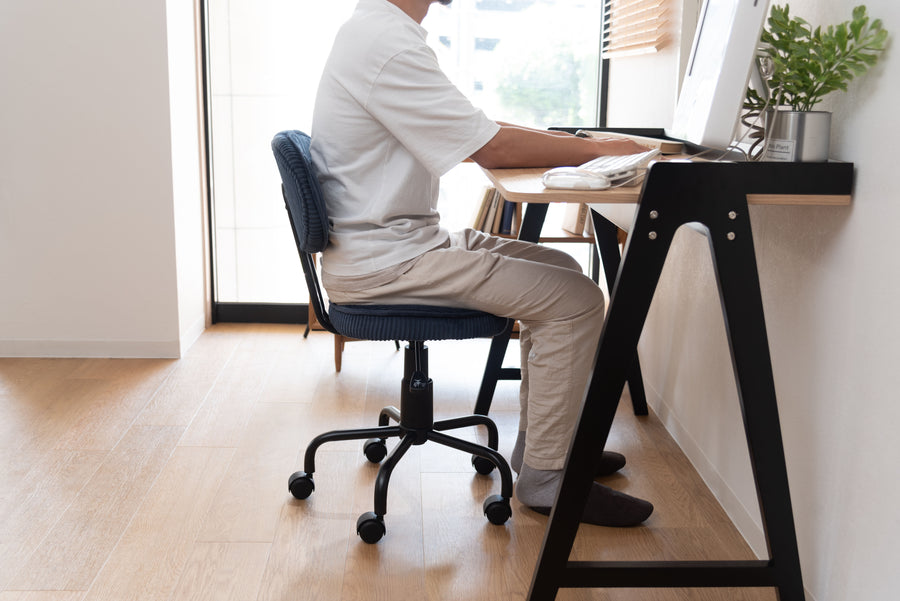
<point>94,202</point>
<point>830,278</point>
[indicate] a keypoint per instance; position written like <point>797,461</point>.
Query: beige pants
<point>560,312</point>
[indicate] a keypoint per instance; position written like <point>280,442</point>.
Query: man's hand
<point>617,146</point>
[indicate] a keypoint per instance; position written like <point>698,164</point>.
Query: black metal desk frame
<point>715,196</point>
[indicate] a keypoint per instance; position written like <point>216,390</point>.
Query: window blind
<point>634,27</point>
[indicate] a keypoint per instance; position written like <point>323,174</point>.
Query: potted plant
<point>799,66</point>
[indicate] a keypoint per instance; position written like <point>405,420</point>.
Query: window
<point>533,62</point>
<point>530,62</point>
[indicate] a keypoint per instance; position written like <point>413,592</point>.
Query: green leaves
<point>811,63</point>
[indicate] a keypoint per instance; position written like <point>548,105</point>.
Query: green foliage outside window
<point>547,87</point>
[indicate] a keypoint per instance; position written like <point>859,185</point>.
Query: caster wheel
<point>482,465</point>
<point>370,527</point>
<point>497,509</point>
<point>301,485</point>
<point>375,450</point>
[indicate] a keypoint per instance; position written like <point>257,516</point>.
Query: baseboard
<point>193,333</point>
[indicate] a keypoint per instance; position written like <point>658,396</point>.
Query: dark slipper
<point>610,463</point>
<point>608,507</point>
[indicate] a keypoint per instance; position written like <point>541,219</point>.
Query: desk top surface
<point>525,185</point>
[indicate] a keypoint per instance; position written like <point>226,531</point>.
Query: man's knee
<point>571,263</point>
<point>593,298</point>
<point>560,258</point>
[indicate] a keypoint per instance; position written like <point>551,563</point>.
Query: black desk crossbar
<point>674,574</point>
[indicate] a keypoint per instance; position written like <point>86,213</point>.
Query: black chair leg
<point>309,461</point>
<point>388,413</point>
<point>471,420</point>
<point>506,481</point>
<point>385,471</point>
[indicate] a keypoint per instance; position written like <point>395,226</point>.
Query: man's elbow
<point>492,155</point>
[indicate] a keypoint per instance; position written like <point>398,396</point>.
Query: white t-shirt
<point>387,124</point>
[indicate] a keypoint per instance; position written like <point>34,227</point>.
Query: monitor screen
<point>718,70</point>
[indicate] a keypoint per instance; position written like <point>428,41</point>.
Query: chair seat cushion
<point>413,322</point>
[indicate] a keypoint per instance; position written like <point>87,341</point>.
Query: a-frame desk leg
<point>607,240</point>
<point>713,195</point>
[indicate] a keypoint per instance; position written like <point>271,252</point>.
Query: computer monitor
<point>718,70</point>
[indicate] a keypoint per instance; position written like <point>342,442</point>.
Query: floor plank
<point>73,552</point>
<point>222,572</point>
<point>248,503</point>
<point>155,548</point>
<point>38,500</point>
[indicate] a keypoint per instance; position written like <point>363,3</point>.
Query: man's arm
<point>516,146</point>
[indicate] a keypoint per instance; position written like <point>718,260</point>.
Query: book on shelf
<point>478,216</point>
<point>508,219</point>
<point>575,218</point>
<point>482,216</point>
<point>498,216</point>
<point>491,213</point>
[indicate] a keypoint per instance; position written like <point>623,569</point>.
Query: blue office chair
<point>414,323</point>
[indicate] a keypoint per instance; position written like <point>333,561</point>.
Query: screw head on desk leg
<point>732,215</point>
<point>652,235</point>
<point>654,214</point>
<point>730,235</point>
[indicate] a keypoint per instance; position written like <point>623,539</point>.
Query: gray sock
<point>605,506</point>
<point>537,488</point>
<point>610,461</point>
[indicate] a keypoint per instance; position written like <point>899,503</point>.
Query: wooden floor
<point>167,480</point>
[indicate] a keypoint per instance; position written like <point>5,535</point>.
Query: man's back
<point>387,124</point>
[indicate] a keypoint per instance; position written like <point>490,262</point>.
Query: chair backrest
<point>306,210</point>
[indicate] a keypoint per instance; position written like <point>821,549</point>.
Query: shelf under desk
<point>717,197</point>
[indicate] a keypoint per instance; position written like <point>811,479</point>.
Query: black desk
<point>716,196</point>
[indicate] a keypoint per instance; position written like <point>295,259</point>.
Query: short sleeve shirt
<point>387,124</point>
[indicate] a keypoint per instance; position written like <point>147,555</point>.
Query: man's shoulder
<point>378,34</point>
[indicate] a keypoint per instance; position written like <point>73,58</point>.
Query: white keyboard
<point>602,172</point>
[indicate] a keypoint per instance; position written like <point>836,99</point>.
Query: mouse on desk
<point>573,178</point>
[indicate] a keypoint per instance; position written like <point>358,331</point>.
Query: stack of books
<point>497,216</point>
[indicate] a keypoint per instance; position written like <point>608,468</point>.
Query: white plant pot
<point>797,136</point>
